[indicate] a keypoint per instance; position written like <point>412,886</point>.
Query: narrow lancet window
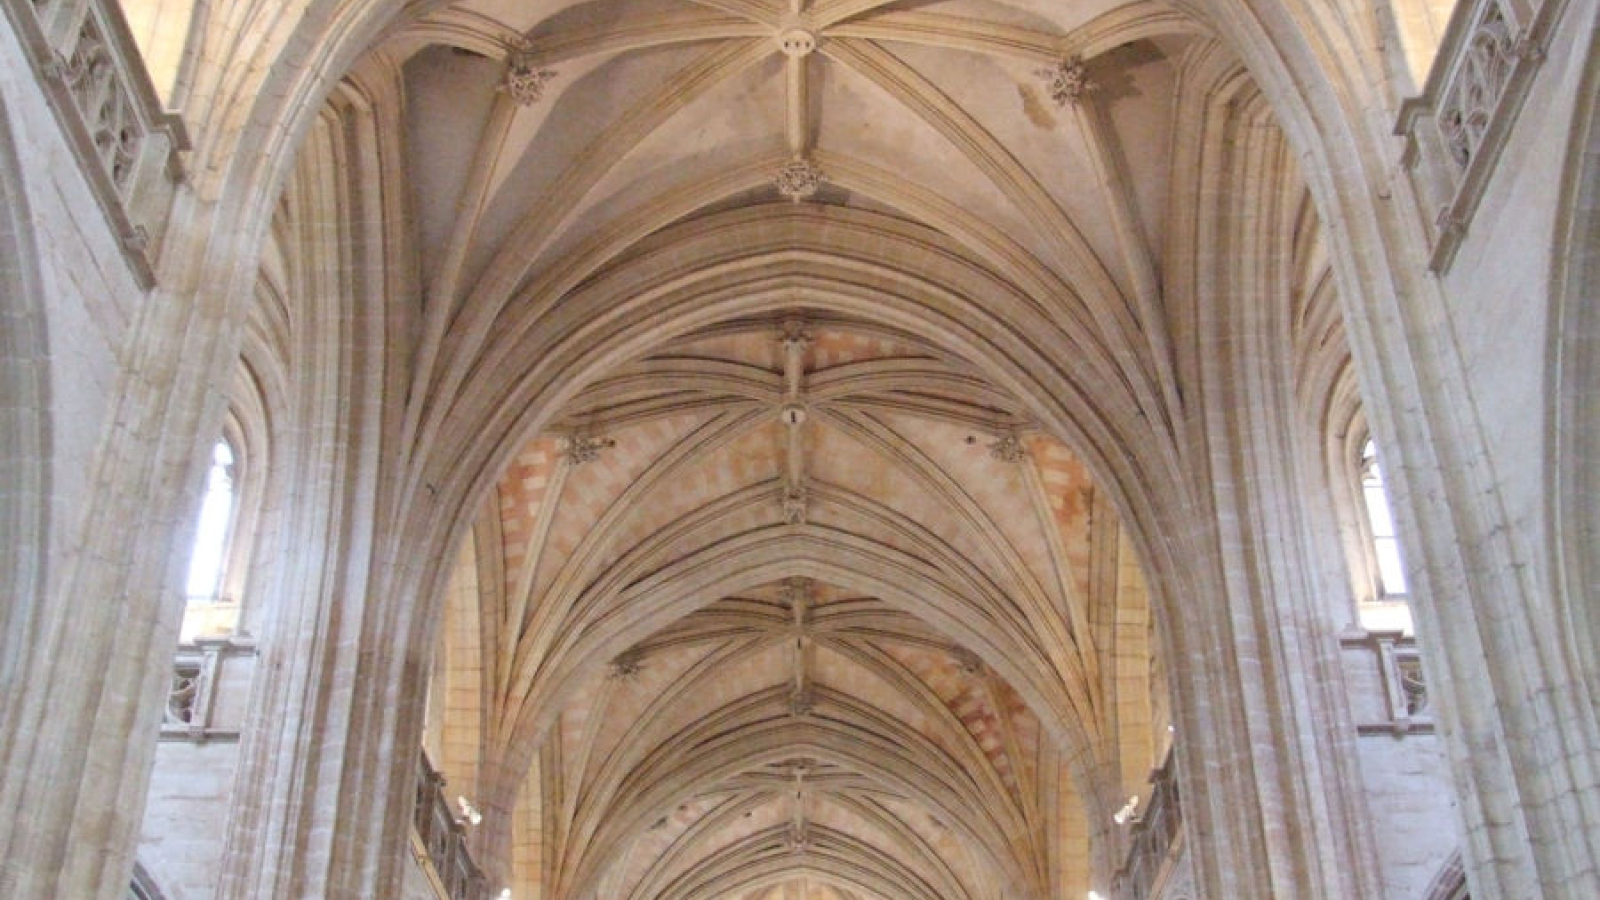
<point>216,521</point>
<point>1385,544</point>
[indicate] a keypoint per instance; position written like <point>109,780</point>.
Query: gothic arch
<point>248,431</point>
<point>1103,435</point>
<point>912,279</point>
<point>1574,384</point>
<point>286,96</point>
<point>24,420</point>
<point>719,274</point>
<point>836,557</point>
<point>763,859</point>
<point>288,91</point>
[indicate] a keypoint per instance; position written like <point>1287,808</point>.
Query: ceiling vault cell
<point>787,586</point>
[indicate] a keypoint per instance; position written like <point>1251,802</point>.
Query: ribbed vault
<point>787,449</point>
<point>797,383</point>
<point>798,603</point>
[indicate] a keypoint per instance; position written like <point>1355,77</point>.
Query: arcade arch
<point>445,233</point>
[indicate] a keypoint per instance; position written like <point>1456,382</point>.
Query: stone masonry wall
<point>90,295</point>
<point>187,816</point>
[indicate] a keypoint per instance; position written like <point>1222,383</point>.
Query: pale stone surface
<point>1408,790</point>
<point>186,817</point>
<point>91,295</point>
<point>865,532</point>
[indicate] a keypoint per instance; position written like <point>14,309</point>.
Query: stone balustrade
<point>127,145</point>
<point>442,839</point>
<point>1388,692</point>
<point>1154,842</point>
<point>210,687</point>
<point>1456,128</point>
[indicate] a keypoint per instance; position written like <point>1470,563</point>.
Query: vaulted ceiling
<point>788,596</point>
<point>711,631</point>
<point>622,116</point>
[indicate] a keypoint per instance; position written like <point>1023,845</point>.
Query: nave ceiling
<point>710,682</point>
<point>778,578</point>
<point>798,449</point>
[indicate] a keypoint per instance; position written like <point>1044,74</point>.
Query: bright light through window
<point>211,537</point>
<point>1386,546</point>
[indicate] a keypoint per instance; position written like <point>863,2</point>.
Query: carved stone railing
<point>197,675</point>
<point>1455,130</point>
<point>443,840</point>
<point>127,145</point>
<point>1154,841</point>
<point>1402,705</point>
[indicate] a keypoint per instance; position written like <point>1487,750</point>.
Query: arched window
<point>208,559</point>
<point>1385,544</point>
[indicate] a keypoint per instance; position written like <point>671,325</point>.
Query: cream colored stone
<point>790,451</point>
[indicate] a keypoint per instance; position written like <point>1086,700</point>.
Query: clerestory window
<point>208,558</point>
<point>1385,543</point>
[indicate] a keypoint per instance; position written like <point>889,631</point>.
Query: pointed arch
<point>25,423</point>
<point>1573,383</point>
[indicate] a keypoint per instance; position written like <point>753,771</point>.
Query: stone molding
<point>1455,130</point>
<point>1405,691</point>
<point>127,146</point>
<point>196,679</point>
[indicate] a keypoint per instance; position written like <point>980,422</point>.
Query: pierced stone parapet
<point>1390,692</point>
<point>442,840</point>
<point>199,672</point>
<point>1155,840</point>
<point>143,886</point>
<point>181,708</point>
<point>1457,127</point>
<point>126,144</point>
<point>1472,96</point>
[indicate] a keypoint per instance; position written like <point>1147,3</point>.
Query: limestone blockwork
<point>800,449</point>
